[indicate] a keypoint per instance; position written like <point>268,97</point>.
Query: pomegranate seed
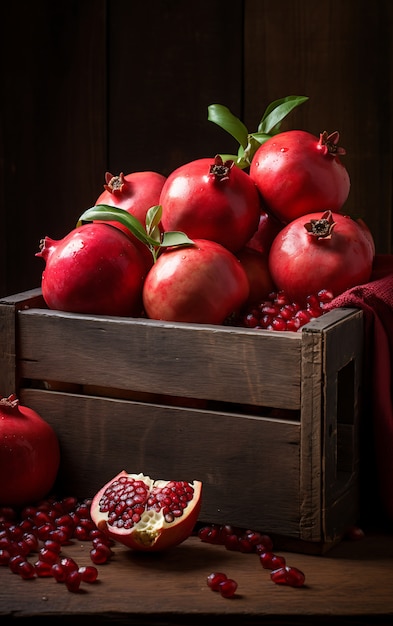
<point>232,542</point>
<point>73,581</point>
<point>215,579</point>
<point>69,564</point>
<point>43,568</point>
<point>88,573</point>
<point>52,545</point>
<point>288,576</point>
<point>227,588</point>
<point>59,572</point>
<point>100,554</point>
<point>49,556</point>
<point>14,562</point>
<point>26,570</point>
<point>269,560</point>
<point>265,544</point>
<point>4,557</point>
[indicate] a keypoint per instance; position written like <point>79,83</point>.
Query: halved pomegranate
<point>146,514</point>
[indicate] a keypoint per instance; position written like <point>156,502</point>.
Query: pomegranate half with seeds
<point>145,514</point>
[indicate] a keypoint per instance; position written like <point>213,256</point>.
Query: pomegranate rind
<point>153,533</point>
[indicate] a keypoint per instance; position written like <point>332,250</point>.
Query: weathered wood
<point>350,586</point>
<point>188,360</point>
<point>100,436</point>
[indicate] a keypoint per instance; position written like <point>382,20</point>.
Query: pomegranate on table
<point>29,454</point>
<point>145,514</point>
<point>317,251</point>
<point>211,199</point>
<point>95,268</point>
<point>202,283</point>
<point>298,173</point>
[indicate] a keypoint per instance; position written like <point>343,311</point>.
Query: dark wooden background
<point>119,85</point>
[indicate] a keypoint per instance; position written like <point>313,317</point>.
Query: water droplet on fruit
<point>283,149</point>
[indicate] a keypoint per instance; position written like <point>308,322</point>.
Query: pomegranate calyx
<point>114,184</point>
<point>11,402</point>
<point>219,170</point>
<point>321,228</point>
<point>328,143</point>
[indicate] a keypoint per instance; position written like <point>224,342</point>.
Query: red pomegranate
<point>145,514</point>
<point>94,269</point>
<point>29,454</point>
<point>135,192</point>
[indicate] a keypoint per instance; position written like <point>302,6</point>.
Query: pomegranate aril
<point>59,572</point>
<point>43,568</point>
<point>291,576</point>
<point>14,562</point>
<point>49,556</point>
<point>69,564</point>
<point>227,588</point>
<point>73,581</point>
<point>100,554</point>
<point>26,570</point>
<point>88,573</point>
<point>215,579</point>
<point>4,556</point>
<point>272,561</point>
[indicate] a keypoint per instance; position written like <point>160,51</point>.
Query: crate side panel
<point>310,417</point>
<point>249,466</point>
<point>8,350</point>
<point>198,361</point>
<point>342,395</point>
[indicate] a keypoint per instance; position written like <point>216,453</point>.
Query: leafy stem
<point>150,235</point>
<point>269,126</point>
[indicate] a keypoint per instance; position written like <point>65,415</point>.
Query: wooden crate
<point>267,420</point>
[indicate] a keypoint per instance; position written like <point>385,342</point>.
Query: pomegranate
<point>211,199</point>
<point>298,173</point>
<point>146,514</point>
<point>203,283</point>
<point>268,228</point>
<point>320,251</point>
<point>256,266</point>
<point>94,269</point>
<point>135,192</point>
<point>29,454</point>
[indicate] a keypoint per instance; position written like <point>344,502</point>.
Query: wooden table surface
<point>351,584</point>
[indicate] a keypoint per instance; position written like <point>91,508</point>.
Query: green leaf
<point>106,213</point>
<point>175,238</point>
<point>222,116</point>
<point>153,218</point>
<point>277,111</point>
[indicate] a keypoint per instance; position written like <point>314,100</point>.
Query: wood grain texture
<point>340,55</point>
<point>351,586</point>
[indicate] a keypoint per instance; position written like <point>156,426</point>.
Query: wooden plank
<point>350,586</point>
<point>187,444</point>
<point>191,360</point>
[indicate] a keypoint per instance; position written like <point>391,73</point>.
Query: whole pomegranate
<point>202,283</point>
<point>268,227</point>
<point>211,199</point>
<point>94,269</point>
<point>29,454</point>
<point>135,192</point>
<point>145,514</point>
<point>320,251</point>
<point>256,266</point>
<point>298,173</point>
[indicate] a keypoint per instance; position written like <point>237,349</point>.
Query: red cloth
<point>376,300</point>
